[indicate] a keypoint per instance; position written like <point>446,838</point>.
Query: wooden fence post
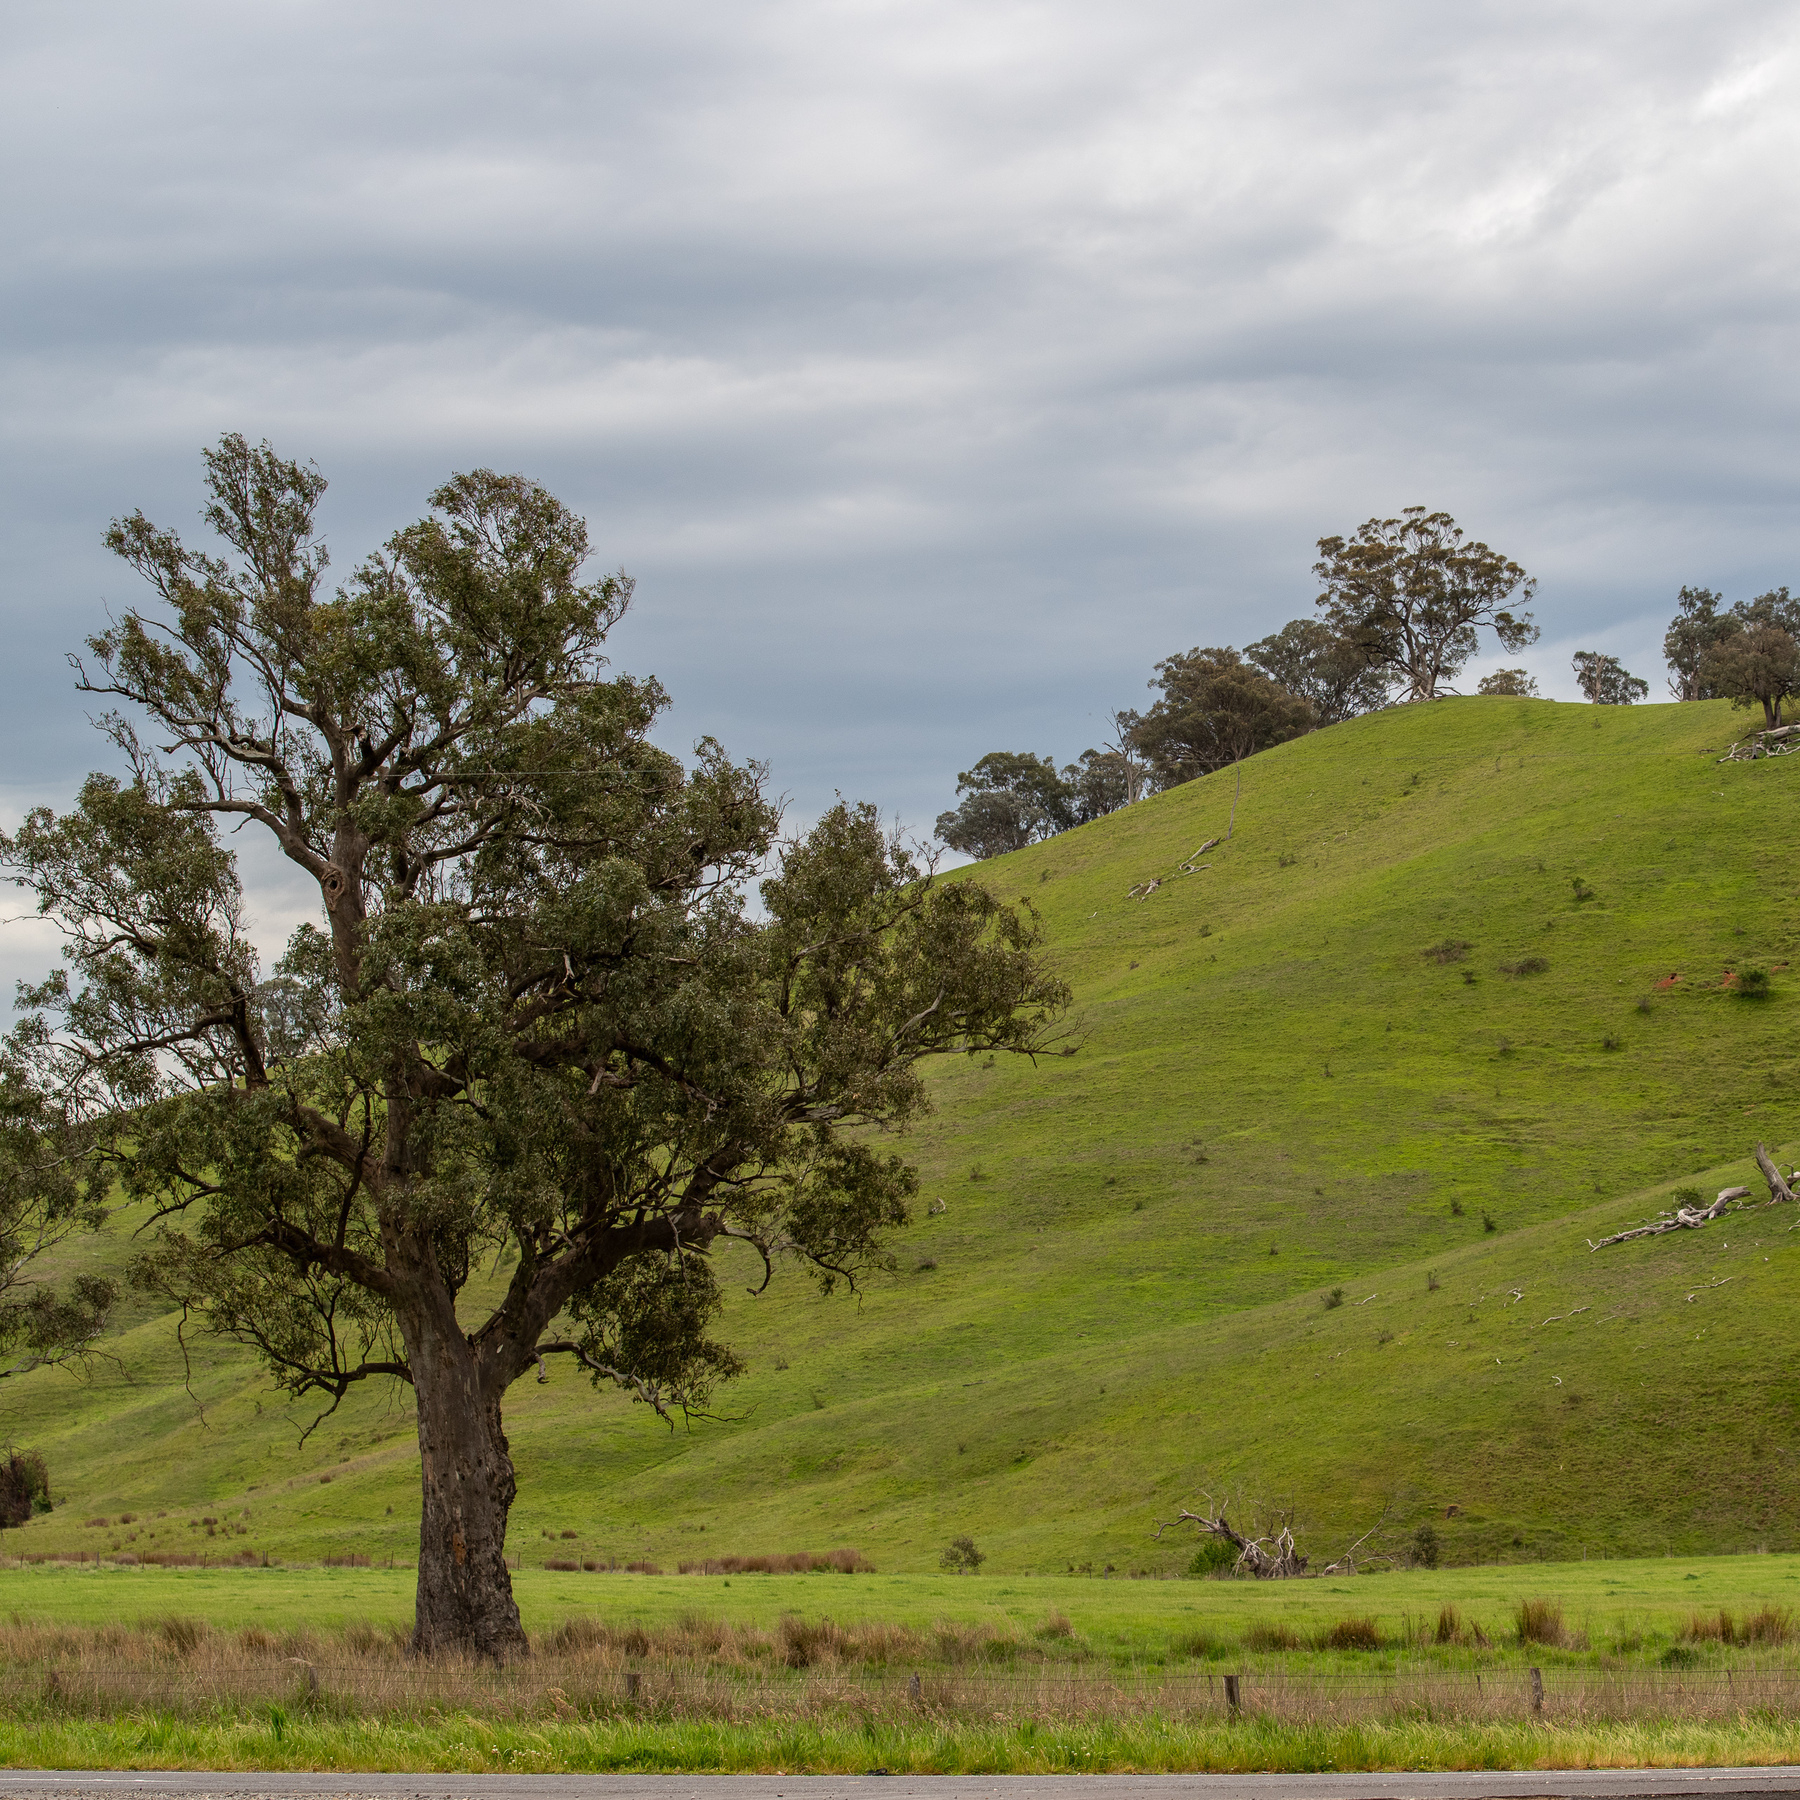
<point>1231,1695</point>
<point>1537,1693</point>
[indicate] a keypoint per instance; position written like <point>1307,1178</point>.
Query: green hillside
<point>1277,1091</point>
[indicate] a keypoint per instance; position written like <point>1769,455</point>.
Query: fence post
<point>633,1684</point>
<point>1231,1695</point>
<point>1537,1693</point>
<point>913,1691</point>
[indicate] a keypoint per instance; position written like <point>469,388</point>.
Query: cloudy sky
<point>934,368</point>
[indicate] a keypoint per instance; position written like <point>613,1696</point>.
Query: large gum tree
<point>533,1010</point>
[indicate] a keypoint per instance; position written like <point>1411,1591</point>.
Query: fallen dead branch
<point>1271,1558</point>
<point>1691,1218</point>
<point>1683,1218</point>
<point>1783,740</point>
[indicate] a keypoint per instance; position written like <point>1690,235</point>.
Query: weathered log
<point>1778,1189</point>
<point>1683,1218</point>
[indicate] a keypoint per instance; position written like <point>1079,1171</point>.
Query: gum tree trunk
<point>465,1600</point>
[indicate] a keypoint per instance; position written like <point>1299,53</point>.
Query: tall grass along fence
<point>178,1668</point>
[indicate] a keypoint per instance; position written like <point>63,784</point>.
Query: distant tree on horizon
<point>1215,710</point>
<point>1327,671</point>
<point>1605,680</point>
<point>1698,628</point>
<point>1410,594</point>
<point>1509,681</point>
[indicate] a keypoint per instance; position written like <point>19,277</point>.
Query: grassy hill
<point>1412,1034</point>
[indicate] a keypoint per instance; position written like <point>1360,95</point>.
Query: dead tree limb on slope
<point>1683,1218</point>
<point>1691,1218</point>
<point>1266,1558</point>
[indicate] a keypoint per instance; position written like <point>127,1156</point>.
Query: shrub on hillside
<point>1451,950</point>
<point>1334,1298</point>
<point>1752,983</point>
<point>961,1555</point>
<point>24,1487</point>
<point>1215,1556</point>
<point>1526,965</point>
<point>1425,1547</point>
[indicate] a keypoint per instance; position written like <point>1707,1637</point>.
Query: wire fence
<point>547,1687</point>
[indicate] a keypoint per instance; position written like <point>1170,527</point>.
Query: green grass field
<point>1628,1611</point>
<point>1277,1092</point>
<point>285,1668</point>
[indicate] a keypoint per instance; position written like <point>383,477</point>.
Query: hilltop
<point>1459,966</point>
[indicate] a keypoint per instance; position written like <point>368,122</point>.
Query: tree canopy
<point>532,1025</point>
<point>1214,709</point>
<point>1409,595</point>
<point>1517,682</point>
<point>1605,680</point>
<point>1319,666</point>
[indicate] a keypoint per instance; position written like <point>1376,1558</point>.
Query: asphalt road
<point>1526,1784</point>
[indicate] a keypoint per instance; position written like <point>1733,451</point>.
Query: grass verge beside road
<point>473,1745</point>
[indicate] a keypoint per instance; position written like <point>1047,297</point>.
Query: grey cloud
<point>935,369</point>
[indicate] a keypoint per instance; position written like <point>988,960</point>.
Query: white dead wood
<point>1270,1558</point>
<point>1683,1218</point>
<point>1778,1188</point>
<point>1691,1218</point>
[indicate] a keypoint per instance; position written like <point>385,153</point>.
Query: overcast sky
<point>935,368</point>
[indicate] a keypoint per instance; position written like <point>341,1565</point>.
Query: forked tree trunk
<point>465,1600</point>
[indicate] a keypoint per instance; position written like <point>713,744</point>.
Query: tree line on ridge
<point>1401,607</point>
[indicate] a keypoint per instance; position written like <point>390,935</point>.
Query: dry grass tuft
<point>1540,1622</point>
<point>1351,1634</point>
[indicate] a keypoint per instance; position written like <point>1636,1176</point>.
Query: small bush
<point>961,1555</point>
<point>1351,1634</point>
<point>1581,889</point>
<point>925,1265</point>
<point>1449,1624</point>
<point>1334,1298</point>
<point>1612,1042</point>
<point>1214,1556</point>
<point>1451,950</point>
<point>1540,1622</point>
<point>1679,1656</point>
<point>1752,984</point>
<point>1426,1548</point>
<point>1526,965</point>
<point>1456,1209</point>
<point>1432,1284</point>
<point>24,1487</point>
<point>1271,1634</point>
<point>1487,1222</point>
<point>1055,1625</point>
<point>565,1532</point>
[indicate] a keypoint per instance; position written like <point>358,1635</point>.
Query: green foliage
<point>1214,710</point>
<point>531,1018</point>
<point>1605,681</point>
<point>1426,1549</point>
<point>1409,594</point>
<point>1334,1298</point>
<point>24,1487</point>
<point>961,1555</point>
<point>1516,682</point>
<point>1752,982</point>
<point>1213,1556</point>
